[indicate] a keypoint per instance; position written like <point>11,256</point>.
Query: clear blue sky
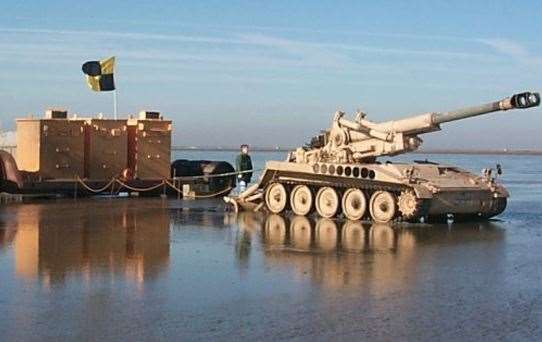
<point>273,73</point>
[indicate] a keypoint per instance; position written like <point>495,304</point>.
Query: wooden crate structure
<point>52,147</point>
<point>106,154</point>
<point>149,147</point>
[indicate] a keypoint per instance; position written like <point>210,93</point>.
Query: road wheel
<point>382,206</point>
<point>327,202</point>
<point>301,200</point>
<point>276,198</point>
<point>354,204</point>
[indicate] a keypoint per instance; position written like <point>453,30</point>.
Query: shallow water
<point>140,269</point>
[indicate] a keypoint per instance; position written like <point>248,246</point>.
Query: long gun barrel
<point>430,122</point>
<point>517,101</point>
<point>363,140</point>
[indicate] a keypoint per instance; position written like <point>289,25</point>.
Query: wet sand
<point>155,269</point>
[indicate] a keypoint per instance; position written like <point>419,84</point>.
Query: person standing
<point>243,162</point>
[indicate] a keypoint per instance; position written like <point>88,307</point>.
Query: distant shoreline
<point>533,152</point>
<point>516,152</point>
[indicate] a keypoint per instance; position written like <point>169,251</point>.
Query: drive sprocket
<point>409,204</point>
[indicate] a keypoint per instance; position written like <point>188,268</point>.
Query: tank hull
<point>410,191</point>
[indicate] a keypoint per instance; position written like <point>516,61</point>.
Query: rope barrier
<point>96,190</point>
<point>140,189</point>
<point>168,183</point>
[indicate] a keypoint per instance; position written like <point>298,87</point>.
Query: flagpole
<point>115,104</point>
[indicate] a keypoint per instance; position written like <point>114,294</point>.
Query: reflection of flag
<point>100,74</point>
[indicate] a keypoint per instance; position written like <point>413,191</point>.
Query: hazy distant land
<point>529,152</point>
<point>421,151</point>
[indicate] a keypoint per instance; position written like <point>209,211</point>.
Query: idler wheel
<point>382,206</point>
<point>276,198</point>
<point>354,204</point>
<point>409,205</point>
<point>301,200</point>
<point>327,202</point>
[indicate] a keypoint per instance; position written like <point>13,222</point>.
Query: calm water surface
<point>158,269</point>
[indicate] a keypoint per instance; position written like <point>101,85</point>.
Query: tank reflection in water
<point>342,254</point>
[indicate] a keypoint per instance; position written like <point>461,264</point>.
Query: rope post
<point>178,191</point>
<point>175,184</point>
<point>75,190</point>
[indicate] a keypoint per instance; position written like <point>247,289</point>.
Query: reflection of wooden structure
<point>103,239</point>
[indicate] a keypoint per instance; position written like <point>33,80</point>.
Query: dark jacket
<point>244,163</point>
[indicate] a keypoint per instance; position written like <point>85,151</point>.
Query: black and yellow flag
<point>100,74</point>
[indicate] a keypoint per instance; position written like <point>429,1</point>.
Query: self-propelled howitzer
<point>338,173</point>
